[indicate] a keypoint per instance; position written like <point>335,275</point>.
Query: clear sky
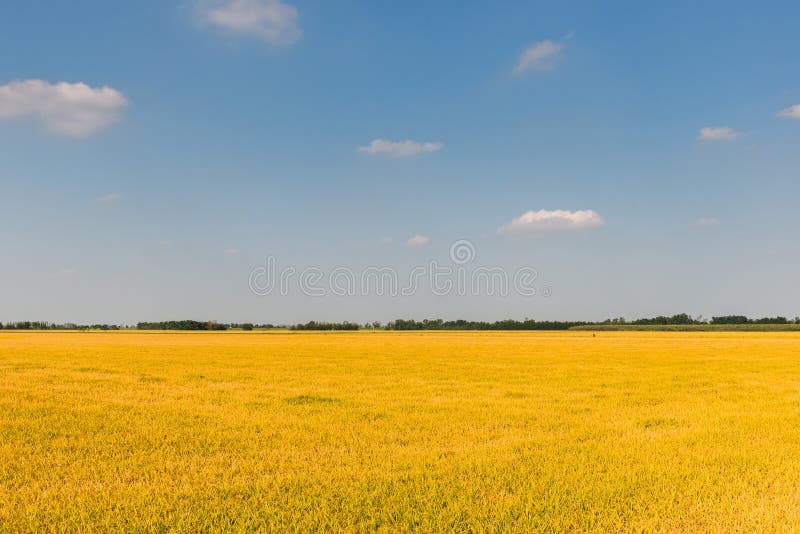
<point>642,157</point>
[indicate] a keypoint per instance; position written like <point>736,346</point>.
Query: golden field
<point>434,431</point>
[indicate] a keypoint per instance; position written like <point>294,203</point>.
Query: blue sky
<point>229,131</point>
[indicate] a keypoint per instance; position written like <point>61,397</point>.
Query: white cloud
<point>232,251</point>
<point>706,221</point>
<point>418,241</point>
<point>71,109</point>
<point>792,112</point>
<point>272,21</point>
<point>401,149</point>
<point>720,133</point>
<point>543,55</point>
<point>63,274</point>
<point>110,198</point>
<point>553,220</point>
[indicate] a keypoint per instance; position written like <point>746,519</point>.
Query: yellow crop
<point>296,432</point>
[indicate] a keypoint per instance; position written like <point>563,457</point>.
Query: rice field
<point>397,432</point>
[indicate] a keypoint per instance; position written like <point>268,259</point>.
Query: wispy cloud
<point>165,243</point>
<point>71,109</point>
<point>706,221</point>
<point>272,21</point>
<point>418,241</point>
<point>718,133</point>
<point>111,198</point>
<point>553,220</point>
<point>792,112</point>
<point>63,274</point>
<point>232,251</point>
<point>541,55</point>
<point>400,149</point>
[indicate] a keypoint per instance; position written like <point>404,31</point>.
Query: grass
<point>432,431</point>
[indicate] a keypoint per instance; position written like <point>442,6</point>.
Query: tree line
<point>461,324</point>
<point>531,324</point>
<point>200,325</point>
<point>411,324</point>
<point>741,319</point>
<point>314,325</point>
<point>162,325</point>
<point>43,325</point>
<point>686,319</point>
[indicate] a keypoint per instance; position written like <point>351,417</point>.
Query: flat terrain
<point>545,431</point>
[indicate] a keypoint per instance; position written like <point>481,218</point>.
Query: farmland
<point>362,431</point>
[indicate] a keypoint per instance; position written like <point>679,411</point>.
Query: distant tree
<point>681,318</point>
<point>247,327</point>
<point>182,325</point>
<point>314,325</point>
<point>771,320</point>
<point>730,319</point>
